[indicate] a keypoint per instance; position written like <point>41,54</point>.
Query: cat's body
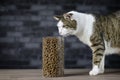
<point>102,34</point>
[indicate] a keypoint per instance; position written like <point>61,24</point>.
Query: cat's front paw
<point>94,71</point>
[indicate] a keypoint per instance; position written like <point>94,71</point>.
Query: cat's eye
<point>63,25</point>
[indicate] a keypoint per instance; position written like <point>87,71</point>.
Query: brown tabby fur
<point>105,28</point>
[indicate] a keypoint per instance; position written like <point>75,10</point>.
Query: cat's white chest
<point>86,29</point>
<point>85,39</point>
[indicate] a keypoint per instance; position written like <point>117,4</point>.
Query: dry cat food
<point>53,56</point>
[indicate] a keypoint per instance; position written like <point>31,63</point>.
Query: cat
<point>100,33</point>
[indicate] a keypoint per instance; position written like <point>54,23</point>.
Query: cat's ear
<point>68,16</point>
<point>57,17</point>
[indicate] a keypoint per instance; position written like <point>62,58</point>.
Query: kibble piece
<point>53,57</point>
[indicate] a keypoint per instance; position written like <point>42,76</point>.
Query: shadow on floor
<point>111,71</point>
<point>81,73</point>
<point>76,74</point>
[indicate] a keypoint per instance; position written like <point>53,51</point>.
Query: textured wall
<point>23,23</point>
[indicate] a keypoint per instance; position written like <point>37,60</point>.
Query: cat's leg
<point>102,65</point>
<point>98,56</point>
<point>98,65</point>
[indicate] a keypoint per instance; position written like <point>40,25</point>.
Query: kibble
<point>53,56</point>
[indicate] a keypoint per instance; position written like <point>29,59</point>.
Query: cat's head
<point>67,25</point>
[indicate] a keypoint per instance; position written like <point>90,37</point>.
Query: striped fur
<point>101,33</point>
<point>105,28</point>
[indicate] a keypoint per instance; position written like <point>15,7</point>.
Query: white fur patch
<point>63,31</point>
<point>109,49</point>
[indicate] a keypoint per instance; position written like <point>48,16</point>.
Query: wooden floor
<point>70,74</point>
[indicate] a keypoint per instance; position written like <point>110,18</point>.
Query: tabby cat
<point>101,33</point>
